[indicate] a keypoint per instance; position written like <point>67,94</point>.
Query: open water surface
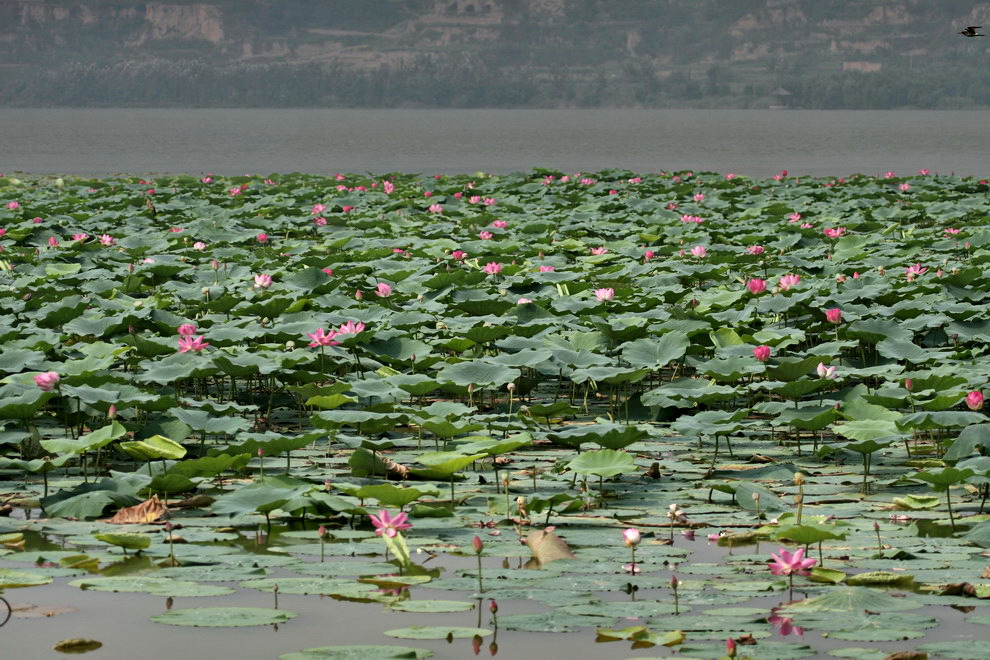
<point>756,143</point>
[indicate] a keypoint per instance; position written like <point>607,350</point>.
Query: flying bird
<point>971,31</point>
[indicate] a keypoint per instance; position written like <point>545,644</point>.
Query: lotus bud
<point>477,544</point>
<point>674,582</point>
<point>470,388</point>
<point>730,647</point>
<point>908,384</point>
<point>799,479</point>
<point>631,537</point>
<point>974,400</point>
<point>112,412</point>
<point>493,606</point>
<point>327,484</point>
<point>290,345</point>
<point>511,387</point>
<point>322,531</point>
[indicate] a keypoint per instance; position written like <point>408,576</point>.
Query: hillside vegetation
<point>500,53</point>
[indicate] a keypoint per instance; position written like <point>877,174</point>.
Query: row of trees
<point>477,84</point>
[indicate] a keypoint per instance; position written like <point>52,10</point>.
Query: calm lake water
<point>757,143</point>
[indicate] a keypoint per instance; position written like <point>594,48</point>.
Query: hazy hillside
<point>468,53</point>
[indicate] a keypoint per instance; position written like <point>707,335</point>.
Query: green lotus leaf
<point>125,540</point>
<point>603,463</point>
<point>358,652</point>
<point>10,579</point>
<point>223,617</point>
<point>438,632</point>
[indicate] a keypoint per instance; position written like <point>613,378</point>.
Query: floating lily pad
<point>438,632</point>
<point>358,652</point>
<point>223,617</point>
<point>434,606</point>
<point>159,586</point>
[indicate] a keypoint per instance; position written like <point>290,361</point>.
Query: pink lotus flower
<point>346,209</point>
<point>950,231</point>
<point>80,237</point>
<point>233,192</point>
<point>923,172</point>
<point>699,197</point>
<point>13,205</point>
<point>492,268</point>
<point>914,270</point>
<point>350,328</point>
<point>321,338</point>
<point>604,295</point>
<point>485,235</point>
<point>694,219</point>
<point>195,344</point>
<point>756,286</point>
<point>199,245</point>
<point>388,187</point>
<point>974,400</point>
<point>794,217</point>
<point>523,301</point>
<point>500,224</point>
<point>474,199</point>
<point>787,281</point>
<point>828,373</point>
<point>791,563</point>
<point>489,201</point>
<point>833,315</point>
<point>384,290</point>
<point>52,242</point>
<point>186,330</point>
<point>387,525</point>
<point>328,271</point>
<point>631,537</point>
<point>458,255</point>
<point>648,255</point>
<point>599,250</point>
<point>3,232</point>
<point>755,250</point>
<point>699,251</point>
<point>107,239</point>
<point>207,179</point>
<point>547,269</point>
<point>318,209</point>
<point>904,187</point>
<point>835,232</point>
<point>427,194</point>
<point>176,230</point>
<point>262,237</point>
<point>889,175</point>
<point>262,281</point>
<point>730,176</point>
<point>762,353</point>
<point>46,381</point>
<point>435,208</point>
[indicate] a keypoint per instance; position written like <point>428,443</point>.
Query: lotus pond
<point>597,415</point>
